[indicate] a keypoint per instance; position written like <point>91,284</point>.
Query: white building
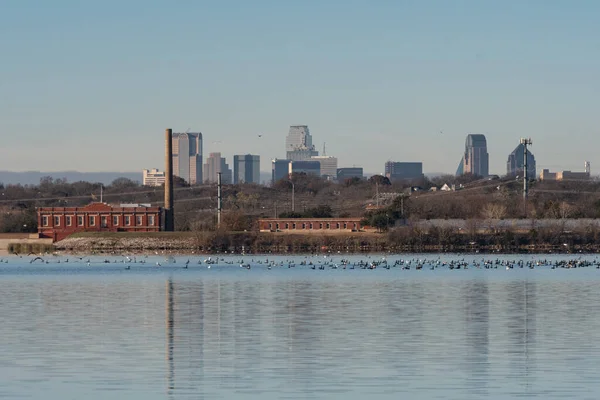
<point>187,157</point>
<point>153,177</point>
<point>215,164</point>
<point>298,144</point>
<point>329,166</point>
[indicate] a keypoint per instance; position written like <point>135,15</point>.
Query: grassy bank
<point>405,240</point>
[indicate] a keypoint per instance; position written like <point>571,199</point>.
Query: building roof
<point>476,140</point>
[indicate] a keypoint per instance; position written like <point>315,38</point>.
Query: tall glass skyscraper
<point>187,156</point>
<point>246,169</point>
<point>476,158</point>
<point>298,144</point>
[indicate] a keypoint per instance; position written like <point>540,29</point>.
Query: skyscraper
<point>187,156</point>
<point>476,158</point>
<point>246,169</point>
<point>329,166</point>
<point>215,164</point>
<point>298,144</point>
<point>514,165</point>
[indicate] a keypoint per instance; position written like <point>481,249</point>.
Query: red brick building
<point>307,225</point>
<point>59,222</point>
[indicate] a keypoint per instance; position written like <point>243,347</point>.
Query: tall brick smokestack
<point>169,213</point>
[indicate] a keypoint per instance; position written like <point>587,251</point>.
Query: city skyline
<point>372,81</point>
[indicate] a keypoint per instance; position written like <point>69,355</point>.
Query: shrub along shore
<point>399,240</point>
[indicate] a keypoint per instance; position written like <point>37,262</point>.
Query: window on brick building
<point>104,221</point>
<point>92,220</point>
<point>56,221</point>
<point>151,220</point>
<point>69,220</point>
<point>80,220</point>
<point>115,220</point>
<point>45,220</point>
<point>138,220</point>
<point>128,220</point>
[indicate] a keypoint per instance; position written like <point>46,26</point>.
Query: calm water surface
<point>73,331</point>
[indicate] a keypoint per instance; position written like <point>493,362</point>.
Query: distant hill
<point>33,177</point>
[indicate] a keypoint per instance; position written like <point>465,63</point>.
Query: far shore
<point>396,241</point>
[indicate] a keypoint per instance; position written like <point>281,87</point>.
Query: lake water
<point>73,331</point>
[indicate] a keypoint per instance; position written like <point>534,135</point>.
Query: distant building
<point>187,157</point>
<point>246,169</point>
<point>309,225</point>
<point>298,144</point>
<point>546,175</point>
<point>349,173</point>
<point>215,164</point>
<point>514,165</point>
<point>476,158</point>
<point>306,167</point>
<point>397,171</point>
<point>153,177</point>
<point>59,222</point>
<point>280,169</point>
<point>328,165</point>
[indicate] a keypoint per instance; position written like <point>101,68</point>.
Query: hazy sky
<point>91,85</point>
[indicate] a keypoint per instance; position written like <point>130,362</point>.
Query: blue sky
<point>91,86</point>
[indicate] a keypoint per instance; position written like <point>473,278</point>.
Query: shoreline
<point>301,244</point>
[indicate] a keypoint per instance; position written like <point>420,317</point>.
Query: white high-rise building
<point>329,166</point>
<point>153,177</point>
<point>187,156</point>
<point>215,164</point>
<point>298,144</point>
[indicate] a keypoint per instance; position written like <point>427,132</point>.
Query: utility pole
<point>525,143</point>
<point>219,200</point>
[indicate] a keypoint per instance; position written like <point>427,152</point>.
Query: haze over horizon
<point>91,87</point>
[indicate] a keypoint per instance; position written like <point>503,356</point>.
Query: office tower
<point>305,167</point>
<point>328,166</point>
<point>215,164</point>
<point>398,171</point>
<point>246,169</point>
<point>298,144</point>
<point>187,156</point>
<point>280,169</point>
<point>476,158</point>
<point>349,173</point>
<point>153,177</point>
<point>514,165</point>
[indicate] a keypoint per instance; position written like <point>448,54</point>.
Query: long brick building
<point>307,225</point>
<point>59,222</point>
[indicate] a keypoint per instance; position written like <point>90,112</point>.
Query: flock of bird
<point>329,262</point>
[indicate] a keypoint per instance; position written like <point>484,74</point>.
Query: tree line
<point>382,204</point>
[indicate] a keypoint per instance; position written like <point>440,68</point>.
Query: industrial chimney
<point>169,214</point>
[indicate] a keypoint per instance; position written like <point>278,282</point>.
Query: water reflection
<point>294,336</point>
